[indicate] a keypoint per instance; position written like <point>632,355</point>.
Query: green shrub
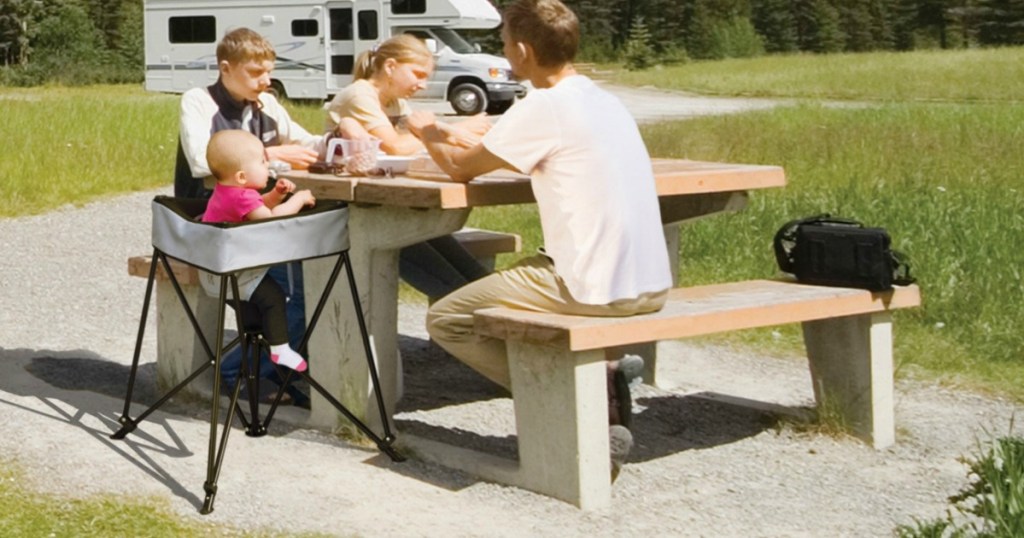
<point>735,38</point>
<point>992,503</point>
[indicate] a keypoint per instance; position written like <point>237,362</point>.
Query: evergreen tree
<point>1001,22</point>
<point>818,26</point>
<point>131,44</point>
<point>855,21</point>
<point>776,22</point>
<point>905,24</point>
<point>666,22</point>
<point>700,28</point>
<point>638,51</point>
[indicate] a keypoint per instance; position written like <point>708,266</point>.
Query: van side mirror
<point>476,47</point>
<point>431,45</point>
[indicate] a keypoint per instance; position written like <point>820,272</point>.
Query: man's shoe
<point>620,443</point>
<point>622,374</point>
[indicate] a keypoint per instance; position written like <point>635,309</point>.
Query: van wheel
<point>499,107</point>
<point>468,99</point>
<point>277,90</point>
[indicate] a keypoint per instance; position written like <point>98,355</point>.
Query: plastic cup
<point>359,157</point>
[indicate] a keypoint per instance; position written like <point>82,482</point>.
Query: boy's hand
<point>456,135</point>
<point>297,156</point>
<point>284,186</point>
<point>478,124</point>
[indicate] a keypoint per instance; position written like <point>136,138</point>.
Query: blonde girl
<point>385,78</point>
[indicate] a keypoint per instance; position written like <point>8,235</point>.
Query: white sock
<point>284,355</point>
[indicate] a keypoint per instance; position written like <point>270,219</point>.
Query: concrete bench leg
<point>852,371</point>
<point>562,423</point>
<point>178,349</point>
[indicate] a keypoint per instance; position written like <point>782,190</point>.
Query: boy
<point>238,100</point>
<point>604,250</point>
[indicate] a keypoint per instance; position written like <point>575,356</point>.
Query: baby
<point>238,162</point>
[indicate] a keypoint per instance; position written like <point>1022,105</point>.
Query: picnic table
<point>387,214</point>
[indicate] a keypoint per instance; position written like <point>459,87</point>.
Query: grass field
<point>971,75</point>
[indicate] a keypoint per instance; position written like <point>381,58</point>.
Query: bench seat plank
<point>695,311</point>
<point>486,243</point>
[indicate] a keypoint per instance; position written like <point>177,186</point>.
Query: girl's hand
<point>419,120</point>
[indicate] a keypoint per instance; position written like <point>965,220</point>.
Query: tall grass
<point>961,75</point>
<point>945,180</point>
<point>74,145</point>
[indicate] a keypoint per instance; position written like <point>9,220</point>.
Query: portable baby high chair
<point>230,252</point>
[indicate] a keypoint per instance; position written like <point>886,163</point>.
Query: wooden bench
<point>180,353</point>
<point>485,245</point>
<point>557,367</point>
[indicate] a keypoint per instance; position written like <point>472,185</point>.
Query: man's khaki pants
<point>530,285</point>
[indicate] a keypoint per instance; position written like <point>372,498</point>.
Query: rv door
<point>353,28</point>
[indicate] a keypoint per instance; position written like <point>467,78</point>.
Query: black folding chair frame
<point>249,372</point>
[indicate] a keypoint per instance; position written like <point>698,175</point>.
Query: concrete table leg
<point>337,356</point>
<point>178,349</point>
<point>852,370</point>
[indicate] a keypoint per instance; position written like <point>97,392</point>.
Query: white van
<point>317,43</point>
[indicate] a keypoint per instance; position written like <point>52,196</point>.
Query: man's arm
<point>194,118</point>
<point>461,164</point>
<point>298,147</point>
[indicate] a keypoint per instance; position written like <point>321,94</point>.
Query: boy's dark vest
<point>228,116</point>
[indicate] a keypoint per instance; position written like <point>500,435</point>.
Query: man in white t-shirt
<point>604,248</point>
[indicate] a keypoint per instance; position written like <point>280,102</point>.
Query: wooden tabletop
<point>425,186</point>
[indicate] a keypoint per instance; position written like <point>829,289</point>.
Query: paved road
<point>650,105</point>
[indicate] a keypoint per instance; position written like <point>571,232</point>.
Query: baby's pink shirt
<point>231,204</point>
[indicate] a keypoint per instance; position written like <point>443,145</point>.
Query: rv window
<point>192,29</point>
<point>341,24</point>
<point>305,27</point>
<point>341,64</point>
<point>405,7</point>
<point>367,25</point>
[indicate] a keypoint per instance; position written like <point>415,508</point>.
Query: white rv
<point>317,43</point>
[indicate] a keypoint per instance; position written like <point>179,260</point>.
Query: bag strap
<point>901,269</point>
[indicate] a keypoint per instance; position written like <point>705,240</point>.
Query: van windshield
<point>453,40</point>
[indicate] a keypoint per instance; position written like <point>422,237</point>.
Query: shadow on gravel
<point>73,388</point>
<point>96,375</point>
<point>674,423</point>
<point>666,423</point>
<point>433,379</point>
<point>669,425</point>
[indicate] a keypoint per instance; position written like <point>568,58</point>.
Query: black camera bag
<point>840,252</point>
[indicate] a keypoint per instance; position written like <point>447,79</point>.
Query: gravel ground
<point>707,462</point>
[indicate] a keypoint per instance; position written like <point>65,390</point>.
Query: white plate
<point>397,164</point>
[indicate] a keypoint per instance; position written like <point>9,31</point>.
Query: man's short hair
<point>242,45</point>
<point>548,26</point>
